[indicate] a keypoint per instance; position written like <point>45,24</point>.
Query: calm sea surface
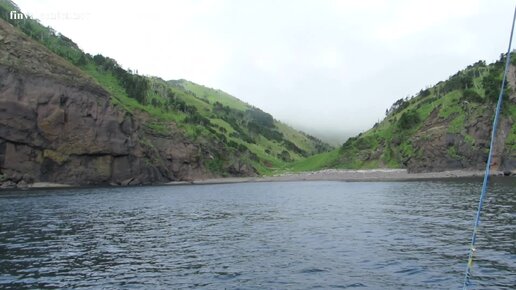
<point>284,235</point>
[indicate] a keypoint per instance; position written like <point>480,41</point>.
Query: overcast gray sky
<point>330,68</point>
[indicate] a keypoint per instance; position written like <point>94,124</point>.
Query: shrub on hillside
<point>491,83</point>
<point>408,120</point>
<point>136,86</point>
<point>459,81</point>
<point>471,95</point>
<point>424,93</point>
<point>399,105</point>
<point>260,118</point>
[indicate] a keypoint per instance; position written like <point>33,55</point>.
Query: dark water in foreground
<point>291,235</point>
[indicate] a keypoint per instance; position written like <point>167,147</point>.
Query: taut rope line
<point>488,165</point>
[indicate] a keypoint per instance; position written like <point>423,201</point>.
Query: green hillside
<point>442,127</point>
<point>446,126</point>
<point>203,114</point>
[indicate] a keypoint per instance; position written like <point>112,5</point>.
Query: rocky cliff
<point>67,116</point>
<point>444,127</point>
<point>58,125</point>
<point>439,148</point>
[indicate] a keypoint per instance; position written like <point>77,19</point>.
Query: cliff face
<point>434,145</point>
<point>445,127</point>
<point>53,131</point>
<point>58,125</point>
<point>434,141</point>
<point>69,117</point>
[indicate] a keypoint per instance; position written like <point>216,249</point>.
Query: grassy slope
<point>315,162</point>
<point>301,140</point>
<point>191,107</point>
<point>212,95</point>
<point>266,149</point>
<point>392,144</point>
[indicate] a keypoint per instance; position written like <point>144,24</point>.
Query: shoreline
<point>368,175</point>
<point>363,175</point>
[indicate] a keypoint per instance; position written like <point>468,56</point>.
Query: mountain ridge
<point>70,117</point>
<point>444,127</point>
<point>86,120</point>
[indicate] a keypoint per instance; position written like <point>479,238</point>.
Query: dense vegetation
<point>207,115</point>
<point>203,114</point>
<point>456,104</point>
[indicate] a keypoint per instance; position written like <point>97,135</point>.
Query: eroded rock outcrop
<point>437,149</point>
<point>59,125</point>
<point>54,131</point>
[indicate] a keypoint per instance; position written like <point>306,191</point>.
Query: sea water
<point>277,235</point>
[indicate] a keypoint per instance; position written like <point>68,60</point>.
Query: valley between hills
<point>69,117</point>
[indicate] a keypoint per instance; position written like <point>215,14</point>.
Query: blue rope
<point>488,165</point>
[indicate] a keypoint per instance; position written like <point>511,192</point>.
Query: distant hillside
<point>443,127</point>
<point>67,116</point>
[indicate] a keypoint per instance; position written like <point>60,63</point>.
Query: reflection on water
<point>301,235</point>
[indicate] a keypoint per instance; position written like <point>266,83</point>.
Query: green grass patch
<point>452,152</point>
<point>406,149</point>
<point>158,128</point>
<point>315,162</point>
<point>110,83</point>
<point>457,124</point>
<point>212,95</point>
<point>450,104</point>
<point>223,124</point>
<point>469,139</point>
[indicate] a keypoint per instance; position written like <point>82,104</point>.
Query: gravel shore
<point>351,175</point>
<point>328,174</point>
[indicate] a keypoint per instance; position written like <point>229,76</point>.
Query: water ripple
<point>292,235</point>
